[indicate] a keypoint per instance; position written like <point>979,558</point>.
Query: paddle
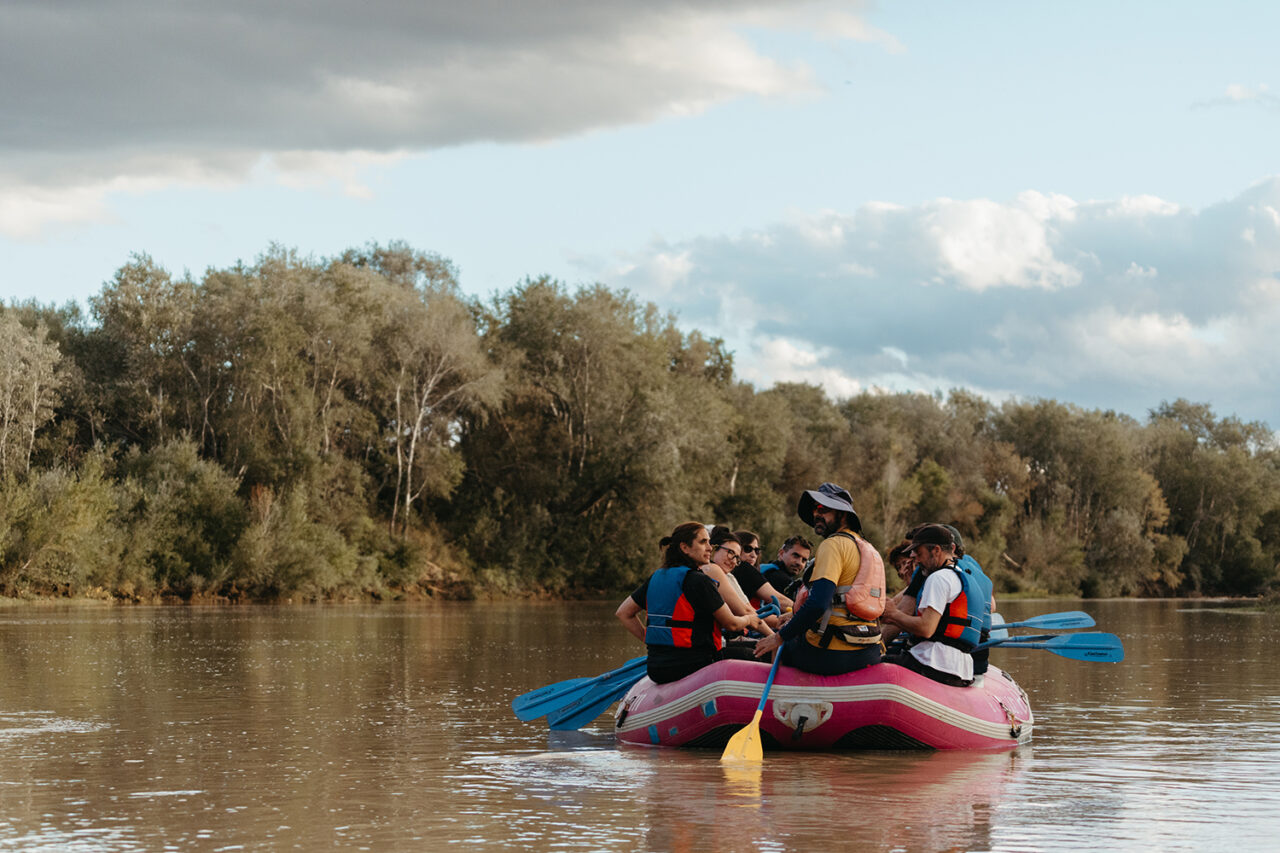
<point>745,745</point>
<point>553,697</point>
<point>583,702</point>
<point>535,703</point>
<point>769,610</point>
<point>1090,646</point>
<point>1054,621</point>
<point>589,705</point>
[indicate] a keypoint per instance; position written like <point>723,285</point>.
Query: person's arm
<point>726,618</point>
<point>900,602</point>
<point>820,595</point>
<point>628,614</point>
<point>921,624</point>
<point>767,593</point>
<point>728,589</point>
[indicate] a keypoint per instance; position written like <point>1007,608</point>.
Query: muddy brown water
<point>388,727</point>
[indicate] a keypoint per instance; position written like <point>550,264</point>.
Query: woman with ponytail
<point>684,609</point>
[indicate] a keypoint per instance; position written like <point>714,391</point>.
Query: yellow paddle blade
<point>743,783</point>
<point>745,745</point>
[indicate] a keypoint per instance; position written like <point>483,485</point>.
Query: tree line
<point>356,426</point>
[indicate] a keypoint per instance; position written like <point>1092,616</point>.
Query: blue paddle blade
<point>555,697</point>
<point>1055,621</point>
<point>594,702</point>
<point>536,703</point>
<point>1105,648</point>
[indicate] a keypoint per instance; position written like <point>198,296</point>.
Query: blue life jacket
<point>670,619</point>
<point>961,625</point>
<point>971,566</point>
<point>980,659</point>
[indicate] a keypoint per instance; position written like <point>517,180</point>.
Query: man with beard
<point>946,621</point>
<point>785,571</point>
<point>823,637</point>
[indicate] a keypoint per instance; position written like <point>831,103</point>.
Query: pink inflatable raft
<point>880,707</point>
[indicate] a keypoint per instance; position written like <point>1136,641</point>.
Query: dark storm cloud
<point>122,96</point>
<point>127,77</point>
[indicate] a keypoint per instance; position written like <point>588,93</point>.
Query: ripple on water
<point>23,724</point>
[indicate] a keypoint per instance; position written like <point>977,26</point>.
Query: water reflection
<point>885,801</point>
<point>667,800</point>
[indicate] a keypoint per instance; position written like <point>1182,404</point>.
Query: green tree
<point>571,482</point>
<point>1089,493</point>
<point>30,380</point>
<point>752,461</point>
<point>142,339</point>
<point>435,371</point>
<point>1222,483</point>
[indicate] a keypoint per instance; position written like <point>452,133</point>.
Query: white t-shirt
<point>941,588</point>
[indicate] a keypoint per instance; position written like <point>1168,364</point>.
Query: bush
<point>284,551</point>
<point>184,521</point>
<point>59,531</point>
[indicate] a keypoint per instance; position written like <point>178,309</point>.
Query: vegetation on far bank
<point>355,426</point>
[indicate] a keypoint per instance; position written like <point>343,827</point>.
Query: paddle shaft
<point>1053,621</point>
<point>556,698</point>
<point>773,671</point>
<point>745,745</point>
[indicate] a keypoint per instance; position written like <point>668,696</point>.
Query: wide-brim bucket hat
<point>832,496</point>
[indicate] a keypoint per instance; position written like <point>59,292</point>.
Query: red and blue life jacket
<point>670,620</point>
<point>961,625</point>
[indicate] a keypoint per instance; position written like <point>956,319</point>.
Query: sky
<point>1076,201</point>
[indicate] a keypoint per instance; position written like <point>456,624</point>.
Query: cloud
<point>1237,93</point>
<point>127,90</point>
<point>776,359</point>
<point>982,244</point>
<point>300,169</point>
<point>27,207</point>
<point>1116,303</point>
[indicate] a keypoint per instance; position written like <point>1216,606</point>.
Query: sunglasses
<point>751,549</point>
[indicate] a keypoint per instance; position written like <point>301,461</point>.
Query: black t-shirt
<point>700,591</point>
<point>749,578</point>
<point>778,576</point>
<point>915,584</point>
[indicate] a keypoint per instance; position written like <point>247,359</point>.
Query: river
<point>389,728</point>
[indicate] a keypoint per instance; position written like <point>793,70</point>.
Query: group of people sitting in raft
<point>710,600</point>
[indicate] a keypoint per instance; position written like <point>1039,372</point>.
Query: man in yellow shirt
<point>823,637</point>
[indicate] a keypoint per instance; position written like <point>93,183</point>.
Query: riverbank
<point>448,590</point>
<point>460,591</point>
